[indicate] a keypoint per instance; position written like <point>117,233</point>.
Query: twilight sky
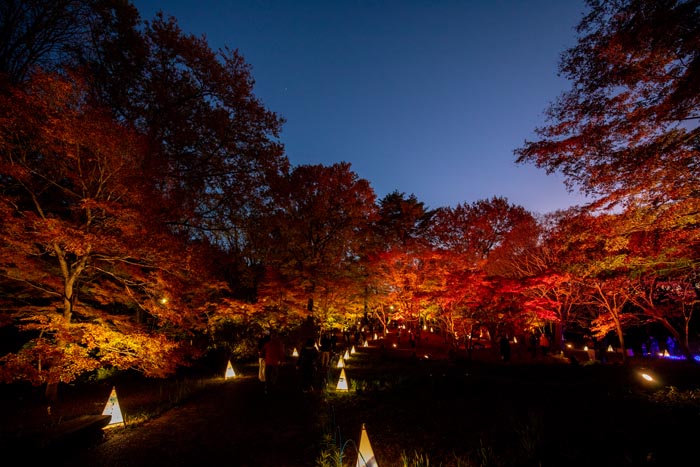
<point>427,97</point>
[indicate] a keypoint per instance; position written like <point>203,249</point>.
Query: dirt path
<point>234,424</point>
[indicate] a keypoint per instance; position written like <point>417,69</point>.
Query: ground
<point>232,421</point>
<point>413,402</point>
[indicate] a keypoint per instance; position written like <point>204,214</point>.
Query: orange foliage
<point>83,262</point>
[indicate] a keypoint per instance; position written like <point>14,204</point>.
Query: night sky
<point>424,97</point>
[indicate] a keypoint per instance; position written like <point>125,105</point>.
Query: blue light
<point>680,357</point>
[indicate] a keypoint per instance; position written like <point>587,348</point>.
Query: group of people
<point>312,358</point>
<point>652,347</point>
<point>537,344</point>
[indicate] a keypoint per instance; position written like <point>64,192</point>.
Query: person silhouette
<point>307,363</point>
<point>274,358</point>
<point>326,345</point>
<point>504,345</point>
<point>261,355</point>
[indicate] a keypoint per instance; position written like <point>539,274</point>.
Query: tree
<point>453,293</point>
<point>476,230</point>
<point>399,230</point>
<point>662,258</point>
<point>628,128</point>
<point>396,278</point>
<point>38,33</point>
<point>609,295</point>
<point>87,276</point>
<point>480,240</point>
<point>553,293</point>
<point>212,145</point>
<point>628,132</point>
<point>402,219</point>
<point>318,228</point>
<point>668,300</point>
<point>197,151</point>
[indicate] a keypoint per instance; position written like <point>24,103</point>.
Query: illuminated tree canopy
<point>629,126</point>
<point>149,214</point>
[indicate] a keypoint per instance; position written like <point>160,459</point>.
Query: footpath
<point>234,423</point>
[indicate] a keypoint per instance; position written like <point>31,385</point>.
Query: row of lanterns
<point>365,456</point>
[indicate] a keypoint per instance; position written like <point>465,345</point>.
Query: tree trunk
<point>620,336</point>
<point>683,343</point>
<point>51,392</point>
<point>559,335</point>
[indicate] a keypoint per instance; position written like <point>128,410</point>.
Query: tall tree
<point>205,152</point>
<point>84,270</point>
<point>552,291</point>
<point>628,128</point>
<point>319,229</point>
<point>478,240</point>
<point>212,144</point>
<point>399,230</point>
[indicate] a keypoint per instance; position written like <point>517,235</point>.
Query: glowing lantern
<point>585,347</point>
<point>229,371</point>
<point>610,349</point>
<point>112,408</point>
<point>365,344</point>
<point>347,355</point>
<point>352,351</point>
<point>666,354</point>
<point>342,382</point>
<point>375,336</point>
<point>365,456</point>
<point>515,340</point>
<point>295,353</point>
<point>341,363</point>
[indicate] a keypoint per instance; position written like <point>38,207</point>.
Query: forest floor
<point>418,406</point>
